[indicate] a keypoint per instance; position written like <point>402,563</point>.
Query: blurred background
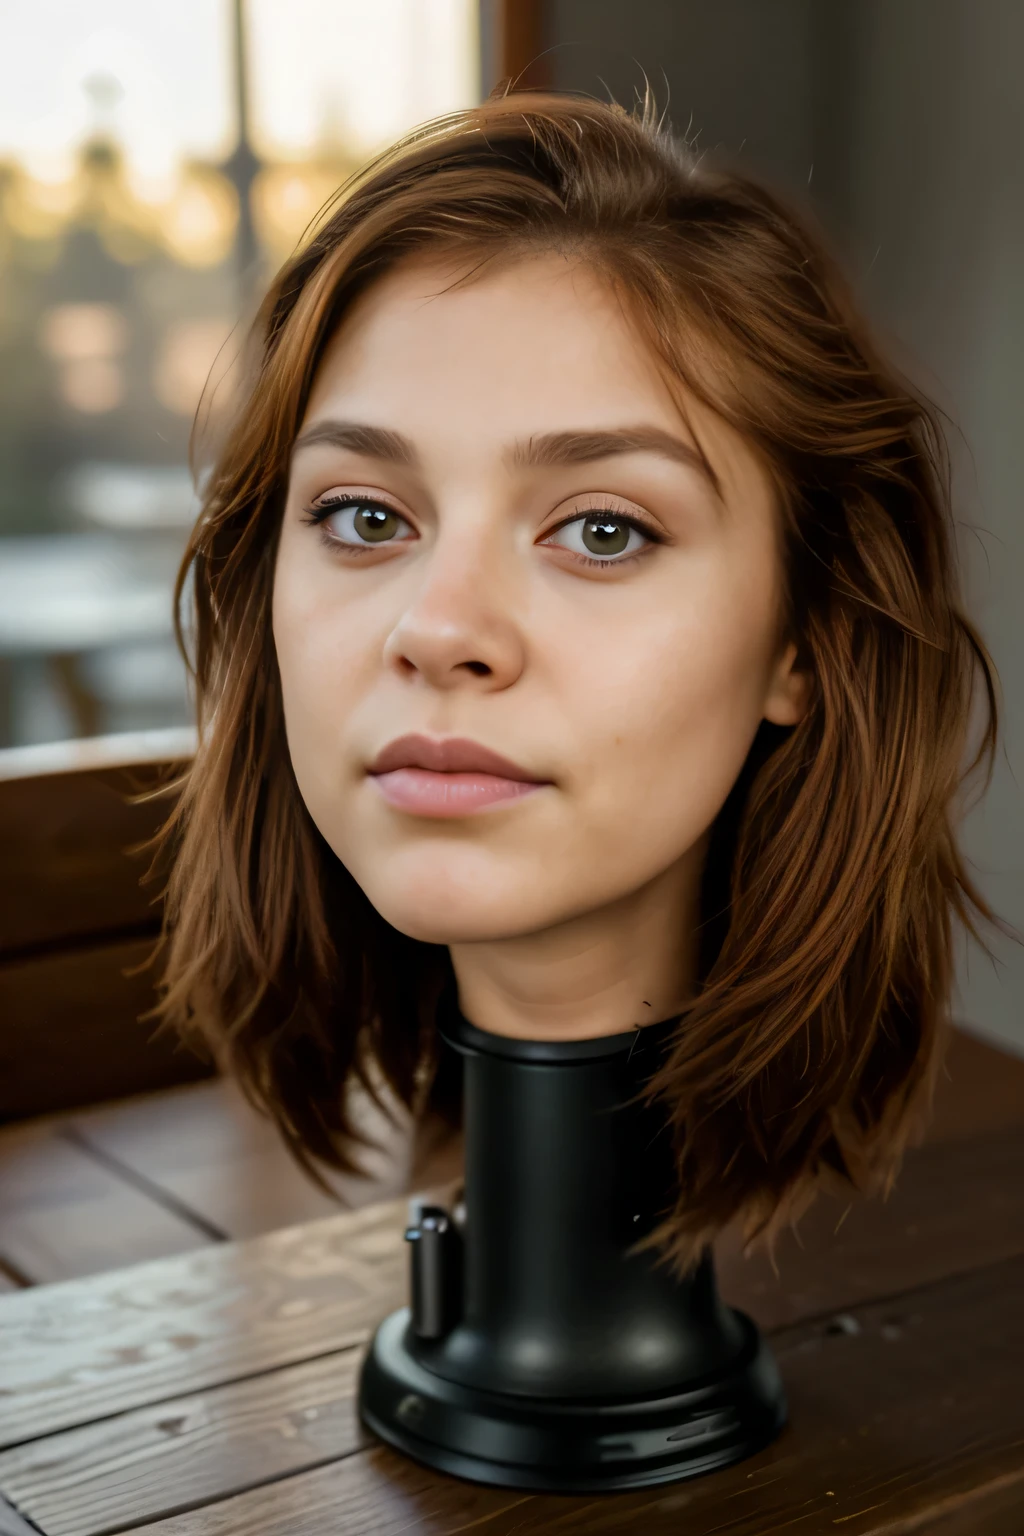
<point>157,162</point>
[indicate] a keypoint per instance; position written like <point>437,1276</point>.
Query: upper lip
<point>451,754</point>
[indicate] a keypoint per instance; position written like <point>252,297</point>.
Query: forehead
<point>544,318</point>
<point>467,361</point>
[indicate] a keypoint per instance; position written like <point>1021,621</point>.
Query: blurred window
<point>147,187</point>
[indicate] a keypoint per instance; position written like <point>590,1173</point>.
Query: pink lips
<point>452,777</point>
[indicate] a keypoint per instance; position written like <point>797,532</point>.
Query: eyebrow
<point>357,437</point>
<point>548,450</point>
<point>553,449</point>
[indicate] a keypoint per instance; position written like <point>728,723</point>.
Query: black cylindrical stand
<point>575,1363</point>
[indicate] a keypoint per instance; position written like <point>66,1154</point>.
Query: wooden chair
<point>121,1153</point>
<point>77,927</point>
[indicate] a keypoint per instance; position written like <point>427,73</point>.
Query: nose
<point>459,630</point>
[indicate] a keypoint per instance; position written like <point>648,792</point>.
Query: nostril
<point>478,668</point>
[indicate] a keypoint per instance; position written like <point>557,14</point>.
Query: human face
<point>530,556</point>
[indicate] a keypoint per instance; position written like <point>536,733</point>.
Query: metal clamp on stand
<point>435,1271</point>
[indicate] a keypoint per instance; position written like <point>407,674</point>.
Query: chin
<point>435,921</point>
<point>446,928</point>
<point>452,905</point>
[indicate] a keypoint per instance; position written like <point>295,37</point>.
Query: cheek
<point>672,714</point>
<point>321,663</point>
<point>323,636</point>
<point>298,642</point>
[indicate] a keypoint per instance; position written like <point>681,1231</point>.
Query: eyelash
<point>320,511</point>
<point>318,514</point>
<point>652,535</point>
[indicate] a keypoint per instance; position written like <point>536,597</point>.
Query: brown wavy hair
<point>833,877</point>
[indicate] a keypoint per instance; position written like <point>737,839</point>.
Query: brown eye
<point>363,522</point>
<point>375,524</point>
<point>605,538</point>
<point>600,536</point>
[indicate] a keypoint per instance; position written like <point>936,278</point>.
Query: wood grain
<point>901,1416</point>
<point>72,1033</point>
<point>957,1205</point>
<point>187,1452</point>
<point>980,1090</point>
<point>203,1319</point>
<point>63,1215</point>
<point>91,754</point>
<point>224,1325</point>
<point>67,871</point>
<point>374,1493</point>
<point>227,1314</point>
<point>521,44</point>
<point>955,1202</point>
<point>206,1146</point>
<point>996,1510</point>
<point>73,915</point>
<point>91,1348</point>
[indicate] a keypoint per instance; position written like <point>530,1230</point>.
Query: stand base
<point>550,1446</point>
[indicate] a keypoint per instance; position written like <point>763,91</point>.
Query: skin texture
<point>634,688</point>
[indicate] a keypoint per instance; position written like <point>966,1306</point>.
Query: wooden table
<point>211,1394</point>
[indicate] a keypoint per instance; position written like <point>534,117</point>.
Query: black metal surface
<point>512,1441</point>
<point>576,1362</point>
<point>435,1273</point>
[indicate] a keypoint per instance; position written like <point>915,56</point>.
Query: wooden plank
<point>63,1215</point>
<point>373,1493</point>
<point>289,1296</point>
<point>899,1418</point>
<point>185,1325</point>
<point>209,1148</point>
<point>997,1510</point>
<point>521,43</point>
<point>981,1089</point>
<point>91,754</point>
<point>188,1452</point>
<point>67,870</point>
<point>72,1032</point>
<point>957,1205</point>
<point>251,1392</point>
<point>73,913</point>
<point>78,1352</point>
<point>206,1147</point>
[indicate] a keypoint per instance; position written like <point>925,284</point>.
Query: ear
<point>789,690</point>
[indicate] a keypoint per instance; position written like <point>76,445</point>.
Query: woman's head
<point>500,528</point>
<point>565,445</point>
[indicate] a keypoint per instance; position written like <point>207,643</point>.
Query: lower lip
<point>424,793</point>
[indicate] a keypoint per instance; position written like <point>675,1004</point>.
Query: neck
<point>629,963</point>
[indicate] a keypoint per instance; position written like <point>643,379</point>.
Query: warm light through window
<point>191,349</point>
<point>158,77</point>
<point>138,228</point>
<point>85,341</point>
<point>353,75</point>
<point>77,332</point>
<point>198,224</point>
<point>92,385</point>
